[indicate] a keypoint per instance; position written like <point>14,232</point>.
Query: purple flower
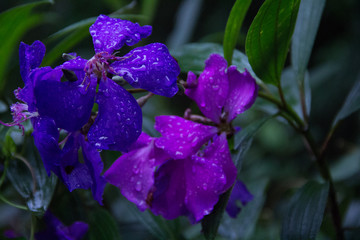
<point>186,170</point>
<point>56,230</point>
<point>119,120</point>
<point>64,162</point>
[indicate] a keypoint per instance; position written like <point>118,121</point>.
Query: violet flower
<point>56,230</point>
<point>186,170</point>
<point>119,120</point>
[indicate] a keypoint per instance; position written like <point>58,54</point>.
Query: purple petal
<point>170,189</point>
<point>242,93</point>
<point>68,103</point>
<point>211,89</point>
<point>180,137</point>
<point>74,174</point>
<point>210,175</point>
<point>150,67</point>
<point>30,57</point>
<point>46,137</point>
<point>119,120</point>
<point>133,174</point>
<point>77,65</point>
<point>56,230</point>
<point>95,166</point>
<point>239,193</point>
<point>111,34</point>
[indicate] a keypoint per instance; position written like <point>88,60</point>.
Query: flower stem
<point>290,116</point>
<point>2,198</point>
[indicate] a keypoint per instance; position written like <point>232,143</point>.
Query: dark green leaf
<point>291,89</point>
<point>29,177</point>
<point>269,36</point>
<point>341,171</point>
<point>211,222</point>
<point>14,23</point>
<point>307,24</point>
<point>192,56</point>
<point>233,26</point>
<point>103,226</point>
<point>244,138</point>
<point>157,225</point>
<point>306,211</point>
<point>243,226</point>
<point>351,104</point>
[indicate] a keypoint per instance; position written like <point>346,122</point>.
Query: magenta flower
<point>186,170</point>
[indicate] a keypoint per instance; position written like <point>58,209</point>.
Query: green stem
<point>12,204</point>
<point>2,179</point>
<point>33,226</point>
<point>290,115</point>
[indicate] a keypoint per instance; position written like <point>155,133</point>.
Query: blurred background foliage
<point>277,162</point>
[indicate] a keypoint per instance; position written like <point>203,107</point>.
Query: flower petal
<point>111,34</point>
<point>213,82</point>
<point>95,165</point>
<point>119,120</point>
<point>74,174</point>
<point>180,137</point>
<point>76,65</point>
<point>210,175</point>
<point>30,57</point>
<point>240,193</point>
<point>242,92</point>
<point>170,189</point>
<point>46,137</point>
<point>133,174</point>
<point>150,67</point>
<point>68,103</point>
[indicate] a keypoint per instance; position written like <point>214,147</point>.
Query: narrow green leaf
<point>244,138</point>
<point>211,222</point>
<point>306,27</point>
<point>192,56</point>
<point>306,211</point>
<point>269,36</point>
<point>14,23</point>
<point>351,104</point>
<point>103,226</point>
<point>233,26</point>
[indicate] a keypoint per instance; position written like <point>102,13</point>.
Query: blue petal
<point>30,57</point>
<point>150,67</point>
<point>73,173</point>
<point>240,193</point>
<point>111,34</point>
<point>93,162</point>
<point>46,137</point>
<point>119,120</point>
<point>68,103</point>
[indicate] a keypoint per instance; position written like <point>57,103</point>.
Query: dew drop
<point>138,186</point>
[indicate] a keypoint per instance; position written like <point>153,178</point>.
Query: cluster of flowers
<point>184,171</point>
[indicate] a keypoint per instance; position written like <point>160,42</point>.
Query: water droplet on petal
<point>138,186</point>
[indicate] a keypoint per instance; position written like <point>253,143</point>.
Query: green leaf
<point>351,104</point>
<point>103,226</point>
<point>243,226</point>
<point>211,222</point>
<point>29,177</point>
<point>192,56</point>
<point>157,225</point>
<point>269,36</point>
<point>306,27</point>
<point>14,23</point>
<point>244,138</point>
<point>233,26</point>
<point>306,211</point>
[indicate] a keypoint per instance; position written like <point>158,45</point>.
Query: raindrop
<point>138,186</point>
